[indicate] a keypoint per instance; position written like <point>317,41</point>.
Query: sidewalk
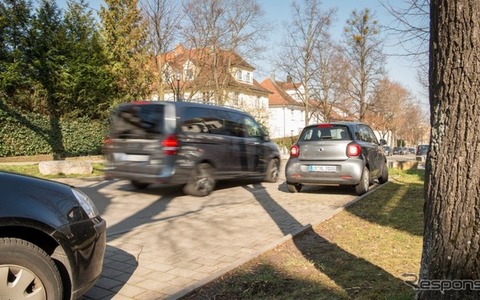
<point>163,244</point>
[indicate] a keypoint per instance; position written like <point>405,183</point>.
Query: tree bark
<point>451,256</point>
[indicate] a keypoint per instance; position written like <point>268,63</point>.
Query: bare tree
<point>163,18</point>
<point>364,49</point>
<point>451,241</point>
<point>307,52</point>
<point>330,91</point>
<point>216,26</point>
<point>388,107</point>
<point>411,32</point>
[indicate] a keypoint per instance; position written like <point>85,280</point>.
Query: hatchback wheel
<point>294,187</point>
<point>384,177</point>
<point>362,187</point>
<point>272,173</point>
<point>201,182</point>
<point>27,272</point>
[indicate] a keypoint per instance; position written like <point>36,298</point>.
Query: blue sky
<point>399,69</point>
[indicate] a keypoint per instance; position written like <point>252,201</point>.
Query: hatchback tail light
<point>353,150</point>
<point>294,151</point>
<point>170,144</point>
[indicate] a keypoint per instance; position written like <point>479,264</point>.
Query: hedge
<point>34,134</point>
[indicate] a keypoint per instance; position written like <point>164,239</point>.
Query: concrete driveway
<point>163,244</point>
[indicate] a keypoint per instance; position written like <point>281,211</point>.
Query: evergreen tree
<point>124,36</point>
<point>89,84</point>
<point>47,58</point>
<point>15,20</point>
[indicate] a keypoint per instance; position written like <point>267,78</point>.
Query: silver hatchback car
<point>338,153</point>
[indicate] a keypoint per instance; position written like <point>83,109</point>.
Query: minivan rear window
<point>330,132</point>
<point>140,121</point>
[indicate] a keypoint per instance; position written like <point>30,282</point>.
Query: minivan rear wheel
<point>201,182</point>
<point>140,185</point>
<point>272,172</point>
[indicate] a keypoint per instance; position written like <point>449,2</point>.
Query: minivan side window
<point>202,120</point>
<point>252,127</point>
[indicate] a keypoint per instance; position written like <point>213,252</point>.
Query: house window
<point>239,75</point>
<point>188,74</point>
<point>235,99</point>
<point>257,102</point>
<point>247,76</point>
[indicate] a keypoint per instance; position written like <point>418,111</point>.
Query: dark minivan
<point>187,143</point>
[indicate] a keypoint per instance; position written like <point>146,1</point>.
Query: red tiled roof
<point>278,94</point>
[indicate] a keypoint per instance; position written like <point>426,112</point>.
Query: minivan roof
<point>185,104</point>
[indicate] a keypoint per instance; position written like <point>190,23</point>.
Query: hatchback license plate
<point>322,168</point>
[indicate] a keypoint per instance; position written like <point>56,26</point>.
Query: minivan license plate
<point>322,169</point>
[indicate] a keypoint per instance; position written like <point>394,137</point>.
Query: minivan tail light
<point>170,145</point>
<point>294,151</point>
<point>354,149</point>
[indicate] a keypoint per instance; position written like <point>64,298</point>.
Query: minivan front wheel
<point>273,170</point>
<point>201,182</point>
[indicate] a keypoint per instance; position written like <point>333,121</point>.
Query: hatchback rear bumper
<point>348,172</point>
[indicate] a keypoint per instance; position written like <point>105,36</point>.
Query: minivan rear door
<point>136,132</point>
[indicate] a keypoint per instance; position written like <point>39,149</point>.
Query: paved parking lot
<point>162,244</point>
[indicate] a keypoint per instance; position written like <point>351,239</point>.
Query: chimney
<point>289,79</point>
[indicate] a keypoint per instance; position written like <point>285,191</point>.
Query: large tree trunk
<point>452,185</point>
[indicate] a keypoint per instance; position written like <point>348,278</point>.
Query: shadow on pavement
<point>118,267</point>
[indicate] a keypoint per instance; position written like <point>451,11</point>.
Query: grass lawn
<point>360,253</point>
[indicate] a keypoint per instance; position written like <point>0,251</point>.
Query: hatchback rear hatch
<point>138,141</point>
<point>324,142</point>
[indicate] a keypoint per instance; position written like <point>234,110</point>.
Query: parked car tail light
<point>294,151</point>
<point>170,144</point>
<point>353,150</point>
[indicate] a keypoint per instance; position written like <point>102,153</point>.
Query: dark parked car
<point>189,144</point>
<point>388,150</point>
<point>340,153</point>
<point>422,151</point>
<point>52,239</point>
<point>398,151</point>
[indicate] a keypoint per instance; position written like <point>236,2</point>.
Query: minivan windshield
<point>137,121</point>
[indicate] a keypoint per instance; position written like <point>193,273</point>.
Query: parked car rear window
<point>137,121</point>
<point>326,132</point>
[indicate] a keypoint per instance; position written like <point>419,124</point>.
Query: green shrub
<point>34,134</point>
<point>286,142</point>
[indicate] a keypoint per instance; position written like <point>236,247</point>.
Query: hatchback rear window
<point>137,121</point>
<point>323,132</point>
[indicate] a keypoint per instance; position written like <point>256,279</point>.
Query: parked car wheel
<point>273,170</point>
<point>384,177</point>
<point>201,182</point>
<point>140,185</point>
<point>294,187</point>
<point>33,271</point>
<point>364,184</point>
